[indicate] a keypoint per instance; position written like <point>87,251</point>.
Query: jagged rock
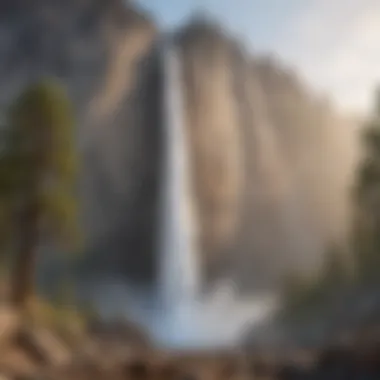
<point>43,346</point>
<point>9,324</point>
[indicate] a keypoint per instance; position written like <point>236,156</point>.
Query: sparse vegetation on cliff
<point>339,293</point>
<point>304,295</point>
<point>366,239</point>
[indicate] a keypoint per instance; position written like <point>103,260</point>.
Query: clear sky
<point>334,44</point>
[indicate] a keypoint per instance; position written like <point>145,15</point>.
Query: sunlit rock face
<point>212,120</point>
<point>320,146</point>
<point>273,234</point>
<point>273,164</point>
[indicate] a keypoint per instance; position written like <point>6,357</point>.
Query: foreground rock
<point>121,351</point>
<point>334,364</point>
<point>338,363</point>
<point>28,349</point>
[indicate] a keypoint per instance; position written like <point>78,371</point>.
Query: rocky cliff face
<point>271,163</point>
<point>212,119</point>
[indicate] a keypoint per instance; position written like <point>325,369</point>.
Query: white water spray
<point>178,249</point>
<point>178,240</point>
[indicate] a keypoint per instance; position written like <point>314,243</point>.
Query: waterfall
<point>188,318</point>
<point>180,316</point>
<point>178,241</point>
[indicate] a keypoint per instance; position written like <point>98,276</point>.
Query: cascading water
<point>178,249</point>
<point>178,241</point>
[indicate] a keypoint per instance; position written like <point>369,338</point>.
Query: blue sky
<point>251,18</point>
<point>334,44</point>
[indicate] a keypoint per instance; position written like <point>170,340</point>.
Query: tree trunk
<point>23,277</point>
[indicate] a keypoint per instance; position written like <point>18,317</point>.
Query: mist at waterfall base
<point>218,319</point>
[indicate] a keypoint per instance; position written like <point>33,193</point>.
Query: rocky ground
<point>119,351</point>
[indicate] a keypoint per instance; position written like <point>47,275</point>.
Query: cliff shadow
<point>128,248</point>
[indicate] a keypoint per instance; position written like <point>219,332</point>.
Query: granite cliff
<point>271,162</point>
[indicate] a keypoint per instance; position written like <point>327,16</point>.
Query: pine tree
<point>38,178</point>
<point>367,199</point>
